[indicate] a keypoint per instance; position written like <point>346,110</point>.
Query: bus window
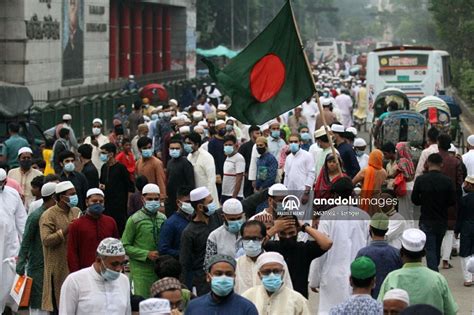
<point>339,48</point>
<point>446,71</point>
<point>321,44</point>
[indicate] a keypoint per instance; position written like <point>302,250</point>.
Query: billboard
<point>72,43</point>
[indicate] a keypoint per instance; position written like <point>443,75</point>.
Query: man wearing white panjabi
<point>101,288</point>
<point>12,225</point>
<point>344,105</point>
<point>272,297</point>
<point>310,109</point>
<point>348,227</point>
<point>468,157</point>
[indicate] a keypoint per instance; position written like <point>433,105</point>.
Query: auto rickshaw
<point>436,112</point>
<point>386,96</point>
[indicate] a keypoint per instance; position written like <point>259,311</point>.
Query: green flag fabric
<point>270,76</point>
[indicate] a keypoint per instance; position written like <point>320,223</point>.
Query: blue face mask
<point>359,153</point>
<point>103,157</point>
<point>252,248</point>
<point>234,226</point>
<point>152,205</point>
<point>211,209</point>
<point>276,134</point>
<point>228,149</point>
<point>147,153</point>
<point>326,94</point>
<point>175,153</point>
<point>96,209</point>
<point>305,136</point>
<point>187,208</point>
<point>222,286</point>
<point>154,117</point>
<point>69,167</point>
<point>229,127</point>
<point>188,148</point>
<point>272,282</point>
<point>294,147</point>
<point>109,275</point>
<point>73,201</point>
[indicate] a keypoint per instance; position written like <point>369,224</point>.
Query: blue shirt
<point>386,259</point>
<point>11,147</point>
<point>349,159</point>
<point>233,304</point>
<point>170,234</point>
<point>267,167</point>
<point>358,305</point>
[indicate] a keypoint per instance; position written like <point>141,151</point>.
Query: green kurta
<point>141,236</point>
<point>31,257</point>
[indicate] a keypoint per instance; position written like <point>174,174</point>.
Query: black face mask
<point>212,130</point>
<point>25,164</point>
<point>222,132</point>
<point>261,150</point>
<point>288,243</point>
<point>118,130</point>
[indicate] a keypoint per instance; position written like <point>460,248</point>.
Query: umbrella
<point>154,92</point>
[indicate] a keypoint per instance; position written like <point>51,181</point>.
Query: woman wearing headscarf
<point>372,178</point>
<point>404,167</point>
<point>329,174</point>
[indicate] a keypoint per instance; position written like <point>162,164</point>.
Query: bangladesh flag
<point>270,76</point>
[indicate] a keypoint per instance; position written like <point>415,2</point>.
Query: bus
<point>417,71</point>
<point>328,51</point>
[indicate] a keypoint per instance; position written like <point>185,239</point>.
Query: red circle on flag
<point>267,77</point>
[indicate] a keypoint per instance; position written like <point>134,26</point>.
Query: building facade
<point>71,47</point>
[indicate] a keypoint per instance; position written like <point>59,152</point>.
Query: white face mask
<point>96,131</point>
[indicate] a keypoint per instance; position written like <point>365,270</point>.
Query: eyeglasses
<point>266,272</point>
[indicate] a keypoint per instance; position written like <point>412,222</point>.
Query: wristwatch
<point>303,228</point>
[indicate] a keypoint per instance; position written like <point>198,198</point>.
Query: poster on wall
<point>73,42</point>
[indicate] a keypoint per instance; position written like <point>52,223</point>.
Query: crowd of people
<point>182,211</point>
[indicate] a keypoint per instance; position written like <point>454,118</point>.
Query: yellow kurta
<point>52,224</point>
<point>283,302</point>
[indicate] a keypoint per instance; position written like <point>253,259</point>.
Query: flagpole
<point>317,98</point>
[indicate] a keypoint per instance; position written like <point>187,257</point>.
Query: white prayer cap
<point>197,114</point>
<point>3,174</point>
<point>220,122</point>
<point>231,118</point>
<point>397,294</point>
<point>150,189</point>
<point>184,129</point>
<point>97,121</point>
<point>270,257</point>
<point>326,101</point>
<point>24,150</point>
<point>94,191</point>
<point>173,102</point>
<point>337,128</point>
<point>232,206</point>
<point>201,107</point>
<point>277,190</point>
<point>359,142</point>
<point>453,149</point>
<point>359,81</point>
<point>155,306</point>
<point>67,117</point>
<point>199,193</point>
<point>273,122</point>
<point>197,128</point>
<point>413,240</point>
<point>48,189</point>
<point>470,265</point>
<point>469,179</point>
<point>320,132</point>
<point>111,247</point>
<point>131,77</point>
<point>63,186</point>
<point>174,118</point>
<point>470,140</point>
<point>222,107</point>
<point>352,129</point>
<point>202,123</point>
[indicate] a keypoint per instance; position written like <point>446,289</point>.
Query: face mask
<point>96,209</point>
<point>222,286</point>
<point>160,115</point>
<point>234,226</point>
<point>103,157</point>
<point>188,148</point>
<point>229,127</point>
<point>294,147</point>
<point>109,275</point>
<point>96,131</point>
<point>187,208</point>
<point>175,153</point>
<point>359,153</point>
<point>25,164</point>
<point>154,117</point>
<point>147,153</point>
<point>305,136</point>
<point>326,94</point>
<point>272,282</point>
<point>228,149</point>
<point>69,167</point>
<point>152,205</point>
<point>288,243</point>
<point>119,130</point>
<point>276,134</point>
<point>211,209</point>
<point>252,248</point>
<point>261,150</point>
<point>221,132</point>
<point>73,201</point>
<point>167,114</point>
<point>122,110</point>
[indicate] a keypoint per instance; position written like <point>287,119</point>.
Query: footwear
<point>447,265</point>
<point>467,283</point>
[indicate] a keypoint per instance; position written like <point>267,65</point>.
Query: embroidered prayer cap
<point>63,186</point>
<point>379,221</point>
<point>94,191</point>
<point>270,257</point>
<point>199,193</point>
<point>363,268</point>
<point>413,240</point>
<point>155,306</point>
<point>222,107</point>
<point>150,189</point>
<point>397,294</point>
<point>97,121</point>
<point>337,128</point>
<point>24,150</point>
<point>165,284</point>
<point>220,258</point>
<point>320,132</point>
<point>232,206</point>
<point>111,247</point>
<point>359,142</point>
<point>48,189</point>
